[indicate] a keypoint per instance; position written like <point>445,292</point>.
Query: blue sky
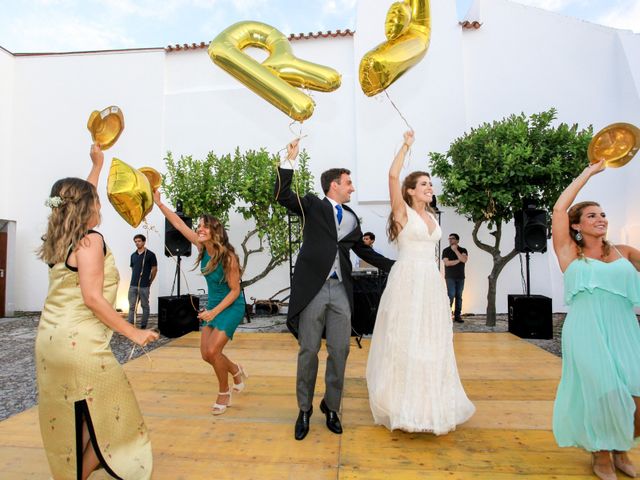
<point>71,25</point>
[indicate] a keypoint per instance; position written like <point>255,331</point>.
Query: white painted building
<point>520,59</point>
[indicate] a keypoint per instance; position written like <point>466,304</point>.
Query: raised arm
<point>97,160</point>
<point>90,258</point>
<point>398,205</point>
<point>562,242</point>
<point>282,189</point>
<point>175,220</point>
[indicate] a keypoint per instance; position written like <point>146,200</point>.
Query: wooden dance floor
<point>511,382</point>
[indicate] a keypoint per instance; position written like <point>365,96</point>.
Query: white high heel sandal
<point>238,387</point>
<point>219,409</point>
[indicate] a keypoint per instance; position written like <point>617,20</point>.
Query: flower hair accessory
<point>53,202</point>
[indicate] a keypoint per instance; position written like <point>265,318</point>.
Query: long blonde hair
<point>223,251</point>
<point>575,214</point>
<point>409,182</point>
<point>69,218</point>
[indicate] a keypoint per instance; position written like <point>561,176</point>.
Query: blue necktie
<point>339,208</point>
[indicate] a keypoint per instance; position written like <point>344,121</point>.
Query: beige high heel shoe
<point>627,468</point>
<point>602,475</point>
<point>238,387</point>
<point>218,408</point>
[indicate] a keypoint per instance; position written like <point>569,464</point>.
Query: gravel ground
<point>17,336</point>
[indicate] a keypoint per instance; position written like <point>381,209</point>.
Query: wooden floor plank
<point>511,382</point>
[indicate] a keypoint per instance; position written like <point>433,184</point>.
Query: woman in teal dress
<point>226,305</point>
<point>596,406</point>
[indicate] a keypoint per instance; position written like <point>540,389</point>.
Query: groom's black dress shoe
<point>333,422</point>
<point>302,424</point>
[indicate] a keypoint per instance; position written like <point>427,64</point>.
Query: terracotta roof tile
<point>467,25</point>
<point>293,36</point>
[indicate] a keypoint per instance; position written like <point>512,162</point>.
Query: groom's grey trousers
<point>329,308</point>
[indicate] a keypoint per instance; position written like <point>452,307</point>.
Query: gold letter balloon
<point>408,32</point>
<point>275,78</point>
<point>130,191</point>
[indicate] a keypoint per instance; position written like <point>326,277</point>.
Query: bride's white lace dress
<point>412,375</point>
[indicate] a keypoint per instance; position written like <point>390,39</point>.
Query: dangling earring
<point>578,236</point>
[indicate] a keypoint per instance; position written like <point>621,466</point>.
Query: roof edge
<point>84,52</point>
<point>294,36</point>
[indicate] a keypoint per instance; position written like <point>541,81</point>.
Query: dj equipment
<point>368,286</point>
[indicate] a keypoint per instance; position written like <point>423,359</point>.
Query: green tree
<point>487,173</point>
<point>243,184</point>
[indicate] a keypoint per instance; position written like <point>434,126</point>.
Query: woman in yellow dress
<point>89,416</point>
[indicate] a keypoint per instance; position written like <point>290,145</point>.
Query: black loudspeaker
<point>178,315</point>
<point>530,316</point>
<point>434,203</point>
<point>174,242</point>
<point>531,230</point>
<point>367,290</point>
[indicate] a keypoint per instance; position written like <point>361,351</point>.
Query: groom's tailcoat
<point>319,246</point>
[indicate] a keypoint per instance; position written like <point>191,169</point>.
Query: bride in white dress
<point>412,375</point>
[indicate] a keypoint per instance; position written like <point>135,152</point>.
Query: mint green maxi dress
<point>594,407</point>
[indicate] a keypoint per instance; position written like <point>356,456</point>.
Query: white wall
<point>7,166</point>
<point>53,98</point>
<point>525,59</point>
<point>7,63</point>
<point>180,101</point>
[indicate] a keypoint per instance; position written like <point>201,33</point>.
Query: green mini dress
<point>229,319</point>
<point>600,356</point>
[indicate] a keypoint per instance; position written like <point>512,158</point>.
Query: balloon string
<point>398,110</point>
<point>152,228</point>
<point>149,228</point>
<point>299,136</point>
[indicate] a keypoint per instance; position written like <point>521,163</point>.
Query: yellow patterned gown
<point>78,376</point>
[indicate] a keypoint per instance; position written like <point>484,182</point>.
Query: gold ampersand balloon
<point>130,191</point>
<point>275,78</point>
<point>408,32</point>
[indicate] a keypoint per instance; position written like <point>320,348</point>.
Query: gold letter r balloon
<point>275,78</point>
<point>408,32</point>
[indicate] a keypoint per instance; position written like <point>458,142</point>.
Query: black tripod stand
<point>527,257</point>
<point>176,276</point>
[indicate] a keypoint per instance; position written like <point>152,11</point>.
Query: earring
<point>578,236</point>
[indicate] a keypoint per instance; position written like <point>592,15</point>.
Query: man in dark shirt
<point>454,258</point>
<point>368,238</point>
<point>144,267</point>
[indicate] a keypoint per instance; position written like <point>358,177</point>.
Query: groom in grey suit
<point>321,289</point>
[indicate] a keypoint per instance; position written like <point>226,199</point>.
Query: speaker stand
<point>527,256</point>
<point>176,276</point>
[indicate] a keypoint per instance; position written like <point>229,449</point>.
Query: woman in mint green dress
<point>596,406</point>
<point>226,305</point>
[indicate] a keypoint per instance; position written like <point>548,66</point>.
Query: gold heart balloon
<point>408,32</point>
<point>154,177</point>
<point>129,191</point>
<point>275,78</point>
<point>106,126</point>
<point>616,144</point>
